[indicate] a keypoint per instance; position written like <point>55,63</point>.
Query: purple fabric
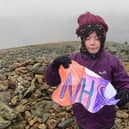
<point>110,68</point>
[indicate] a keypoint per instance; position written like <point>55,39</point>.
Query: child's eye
<point>96,38</point>
<point>88,38</point>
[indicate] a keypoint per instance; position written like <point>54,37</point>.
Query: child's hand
<point>61,60</point>
<point>123,95</point>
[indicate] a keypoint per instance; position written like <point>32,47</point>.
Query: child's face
<point>92,43</point>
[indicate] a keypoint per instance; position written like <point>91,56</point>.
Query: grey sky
<point>42,7</point>
<point>24,22</point>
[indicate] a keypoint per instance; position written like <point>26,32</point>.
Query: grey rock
<point>4,123</point>
<point>29,91</point>
<point>7,112</point>
<point>3,85</point>
<point>64,124</point>
<point>41,107</point>
<point>5,96</point>
<point>45,116</point>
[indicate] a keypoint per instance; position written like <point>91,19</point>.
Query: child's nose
<point>92,41</point>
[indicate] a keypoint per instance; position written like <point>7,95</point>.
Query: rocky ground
<point>25,98</point>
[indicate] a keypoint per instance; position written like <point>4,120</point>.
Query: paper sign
<point>81,85</point>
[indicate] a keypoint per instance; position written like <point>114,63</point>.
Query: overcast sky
<point>25,22</point>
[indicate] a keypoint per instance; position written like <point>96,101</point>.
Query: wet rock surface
<point>25,98</point>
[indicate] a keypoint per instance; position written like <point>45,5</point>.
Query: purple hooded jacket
<point>109,67</point>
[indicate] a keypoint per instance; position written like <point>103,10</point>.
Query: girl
<point>92,31</point>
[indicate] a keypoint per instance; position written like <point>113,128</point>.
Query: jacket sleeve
<point>52,76</point>
<point>120,76</point>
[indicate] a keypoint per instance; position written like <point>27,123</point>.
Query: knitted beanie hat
<point>89,18</point>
